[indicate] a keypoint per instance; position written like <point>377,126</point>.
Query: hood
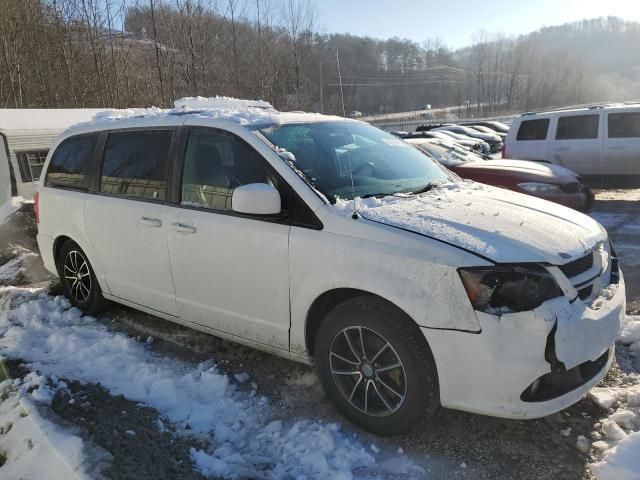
<point>498,224</point>
<point>523,167</point>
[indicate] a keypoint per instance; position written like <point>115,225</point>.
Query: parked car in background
<point>355,114</point>
<point>494,125</point>
<point>468,142</point>
<point>550,182</point>
<point>601,143</point>
<point>465,140</point>
<point>494,141</point>
<point>25,138</point>
<point>261,227</point>
<point>483,129</point>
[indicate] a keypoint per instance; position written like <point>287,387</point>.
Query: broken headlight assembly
<point>508,288</point>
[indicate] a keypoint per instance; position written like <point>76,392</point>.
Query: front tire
<point>78,280</point>
<point>376,366</point>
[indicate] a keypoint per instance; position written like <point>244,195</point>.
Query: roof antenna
<point>354,214</point>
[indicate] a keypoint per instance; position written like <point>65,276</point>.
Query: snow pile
<point>245,440</point>
<point>34,447</point>
<point>11,206</point>
<point>618,435</point>
<point>10,271</point>
<point>220,102</point>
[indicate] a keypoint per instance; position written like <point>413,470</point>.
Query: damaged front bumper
<point>529,364</point>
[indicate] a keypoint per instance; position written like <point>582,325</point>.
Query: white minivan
<point>328,241</point>
<point>600,142</point>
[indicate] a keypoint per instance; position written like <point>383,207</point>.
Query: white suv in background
<point>330,242</point>
<point>601,142</point>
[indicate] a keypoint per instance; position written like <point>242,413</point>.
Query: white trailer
<point>25,138</point>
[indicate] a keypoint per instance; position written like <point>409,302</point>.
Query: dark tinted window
<point>533,129</point>
<point>70,163</point>
<point>579,127</point>
<point>135,164</point>
<point>624,125</point>
<point>214,165</point>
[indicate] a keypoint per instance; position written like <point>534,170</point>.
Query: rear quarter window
<point>624,125</point>
<point>70,164</point>
<point>533,129</point>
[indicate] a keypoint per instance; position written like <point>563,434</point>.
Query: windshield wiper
<point>428,187</point>
<point>377,195</point>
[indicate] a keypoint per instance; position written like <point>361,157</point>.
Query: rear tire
<point>78,280</point>
<point>390,387</point>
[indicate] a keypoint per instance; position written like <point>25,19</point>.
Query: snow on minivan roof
<point>249,113</point>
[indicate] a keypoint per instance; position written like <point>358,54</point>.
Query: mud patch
<point>140,446</point>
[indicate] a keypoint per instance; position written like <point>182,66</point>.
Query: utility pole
<point>321,93</point>
<point>344,113</point>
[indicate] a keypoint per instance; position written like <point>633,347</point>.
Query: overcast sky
<point>455,21</point>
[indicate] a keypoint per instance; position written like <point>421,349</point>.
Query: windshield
<point>331,154</point>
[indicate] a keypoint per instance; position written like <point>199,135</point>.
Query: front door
<point>230,271</point>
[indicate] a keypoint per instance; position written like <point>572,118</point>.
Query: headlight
<point>504,289</point>
<point>540,188</point>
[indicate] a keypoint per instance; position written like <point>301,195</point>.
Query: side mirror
<point>256,199</point>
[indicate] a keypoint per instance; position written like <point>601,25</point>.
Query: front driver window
<point>215,164</point>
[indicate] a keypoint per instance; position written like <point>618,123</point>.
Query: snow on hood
<point>536,168</point>
<point>501,225</point>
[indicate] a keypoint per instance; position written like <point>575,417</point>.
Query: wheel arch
<point>328,300</point>
<point>62,238</point>
<point>58,242</point>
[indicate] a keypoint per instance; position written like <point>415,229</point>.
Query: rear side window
<point>135,164</point>
<point>533,129</point>
<point>624,125</point>
<point>71,163</point>
<point>579,127</point>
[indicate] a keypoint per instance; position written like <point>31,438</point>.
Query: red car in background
<point>550,182</point>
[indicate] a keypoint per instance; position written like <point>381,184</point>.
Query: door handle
<point>182,228</point>
<point>617,147</point>
<point>151,222</point>
<point>562,149</point>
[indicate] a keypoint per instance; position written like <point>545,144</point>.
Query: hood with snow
<point>497,224</point>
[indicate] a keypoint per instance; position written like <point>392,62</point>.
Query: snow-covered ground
<point>244,437</point>
<point>617,434</point>
<point>33,447</point>
<point>11,206</point>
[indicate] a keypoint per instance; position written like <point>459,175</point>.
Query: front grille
<point>574,187</point>
<point>575,268</point>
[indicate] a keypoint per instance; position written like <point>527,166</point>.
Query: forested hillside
<point>116,53</point>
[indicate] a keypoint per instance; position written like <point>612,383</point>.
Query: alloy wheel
<point>368,371</point>
<point>77,276</point>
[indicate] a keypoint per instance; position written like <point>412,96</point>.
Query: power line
<point>428,82</point>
